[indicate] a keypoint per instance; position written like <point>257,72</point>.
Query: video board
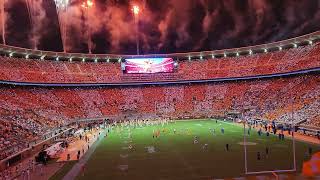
<point>148,65</point>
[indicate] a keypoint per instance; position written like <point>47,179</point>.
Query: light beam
<point>3,19</point>
<point>62,7</point>
<point>136,11</point>
<point>87,5</point>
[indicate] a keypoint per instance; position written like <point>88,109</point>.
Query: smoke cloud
<point>4,17</point>
<point>76,29</point>
<point>37,16</point>
<point>175,25</point>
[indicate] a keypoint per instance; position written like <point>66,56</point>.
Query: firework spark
<point>62,6</point>
<point>87,5</point>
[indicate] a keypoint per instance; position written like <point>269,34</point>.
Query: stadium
<point>247,112</point>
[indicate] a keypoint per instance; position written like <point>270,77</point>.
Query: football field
<point>133,153</point>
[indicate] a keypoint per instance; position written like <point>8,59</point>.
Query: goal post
<point>248,172</point>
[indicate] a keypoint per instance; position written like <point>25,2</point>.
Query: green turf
<point>176,156</point>
<point>63,170</point>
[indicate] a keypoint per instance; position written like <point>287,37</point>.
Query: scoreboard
<point>148,65</point>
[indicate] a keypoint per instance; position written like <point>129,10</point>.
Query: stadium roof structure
<point>12,51</point>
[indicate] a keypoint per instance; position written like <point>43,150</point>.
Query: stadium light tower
<point>87,5</point>
<point>136,11</point>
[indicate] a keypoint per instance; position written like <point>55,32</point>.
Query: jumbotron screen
<point>149,65</point>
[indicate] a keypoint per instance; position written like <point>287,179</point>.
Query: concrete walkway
<point>76,169</point>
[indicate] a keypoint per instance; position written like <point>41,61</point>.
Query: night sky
<point>165,25</point>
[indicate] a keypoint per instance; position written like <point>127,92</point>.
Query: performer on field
<point>222,130</point>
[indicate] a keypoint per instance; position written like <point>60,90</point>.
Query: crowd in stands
<point>27,113</point>
<point>28,70</point>
<point>23,169</point>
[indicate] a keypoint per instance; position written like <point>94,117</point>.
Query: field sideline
<point>175,156</point>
